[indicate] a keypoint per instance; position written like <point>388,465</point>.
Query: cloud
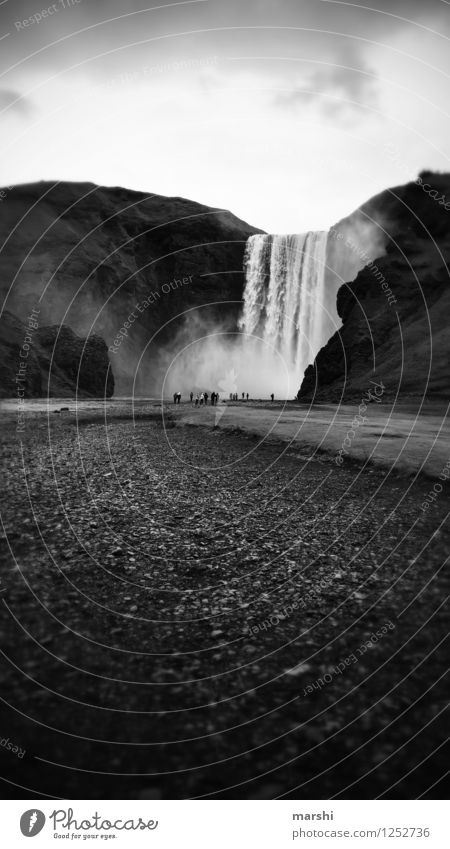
<point>109,36</point>
<point>14,102</point>
<point>340,92</point>
<point>162,117</point>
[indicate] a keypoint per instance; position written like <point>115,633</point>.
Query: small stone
<point>300,669</point>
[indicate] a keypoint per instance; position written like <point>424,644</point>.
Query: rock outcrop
<point>12,338</point>
<point>395,314</point>
<point>51,361</point>
<point>97,258</point>
<point>71,364</point>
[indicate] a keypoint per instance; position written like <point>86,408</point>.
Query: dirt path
<point>405,436</point>
<point>186,613</point>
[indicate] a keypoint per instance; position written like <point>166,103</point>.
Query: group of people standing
<point>199,399</point>
<point>203,398</point>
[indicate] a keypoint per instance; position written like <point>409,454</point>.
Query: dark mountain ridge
<point>90,256</point>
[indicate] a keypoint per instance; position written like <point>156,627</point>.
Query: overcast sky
<point>288,112</point>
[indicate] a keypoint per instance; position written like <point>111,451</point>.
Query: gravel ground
<point>186,613</point>
<point>412,436</point>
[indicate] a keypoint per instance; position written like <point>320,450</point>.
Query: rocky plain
<point>191,611</point>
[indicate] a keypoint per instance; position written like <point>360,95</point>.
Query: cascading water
<point>284,299</point>
<point>289,313</point>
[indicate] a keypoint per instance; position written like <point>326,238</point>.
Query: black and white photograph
<point>225,447</point>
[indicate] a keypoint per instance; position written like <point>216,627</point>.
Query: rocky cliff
<point>12,338</point>
<point>51,361</point>
<point>70,363</point>
<point>395,314</point>
<point>98,258</point>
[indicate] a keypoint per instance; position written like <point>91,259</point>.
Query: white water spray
<point>285,301</point>
<point>289,313</point>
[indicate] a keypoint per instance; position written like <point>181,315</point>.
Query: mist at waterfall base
<point>216,359</point>
<point>288,314</point>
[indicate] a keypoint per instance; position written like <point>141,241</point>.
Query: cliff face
<point>395,314</point>
<point>95,258</point>
<point>70,363</point>
<point>51,361</point>
<point>12,336</point>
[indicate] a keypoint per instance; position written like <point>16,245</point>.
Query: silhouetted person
<point>247,396</point>
<point>272,396</point>
<point>206,399</point>
<point>192,397</point>
<point>175,397</point>
<point>213,399</point>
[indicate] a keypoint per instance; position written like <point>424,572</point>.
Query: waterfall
<point>289,312</point>
<point>284,297</point>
